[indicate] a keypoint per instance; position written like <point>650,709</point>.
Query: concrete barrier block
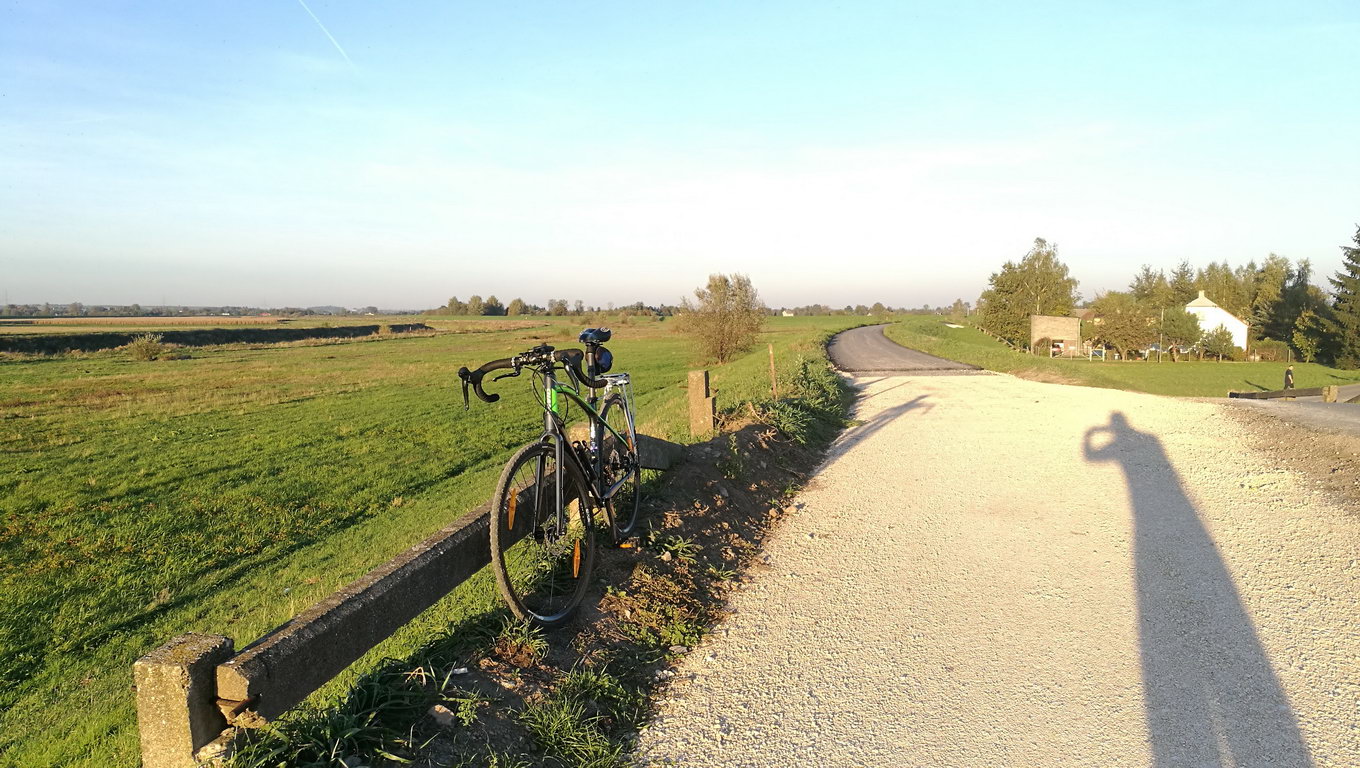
<point>702,406</point>
<point>655,453</point>
<point>177,699</point>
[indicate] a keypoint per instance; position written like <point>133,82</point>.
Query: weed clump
<point>815,408</point>
<point>146,346</point>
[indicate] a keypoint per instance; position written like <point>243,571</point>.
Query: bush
<point>725,317</point>
<point>147,346</point>
<point>1218,343</point>
<point>1271,351</point>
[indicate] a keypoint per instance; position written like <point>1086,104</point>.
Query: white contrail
<point>328,34</point>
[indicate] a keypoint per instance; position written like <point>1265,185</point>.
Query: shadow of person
<point>1211,695</point>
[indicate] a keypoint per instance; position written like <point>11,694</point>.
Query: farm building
<point>1063,333</point>
<point>1211,316</point>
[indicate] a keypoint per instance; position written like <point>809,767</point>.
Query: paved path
<point>867,351</point>
<point>997,572</point>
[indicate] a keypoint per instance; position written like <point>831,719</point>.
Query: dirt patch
<point>1047,377</point>
<point>1330,460</point>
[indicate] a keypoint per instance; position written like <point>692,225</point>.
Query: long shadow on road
<point>1212,697</point>
<point>882,419</point>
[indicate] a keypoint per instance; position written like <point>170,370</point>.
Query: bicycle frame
<point>554,429</point>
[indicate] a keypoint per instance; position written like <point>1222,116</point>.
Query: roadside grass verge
<point>226,492</point>
<point>1188,378</point>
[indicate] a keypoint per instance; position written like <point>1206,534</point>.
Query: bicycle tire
<point>542,570</point>
<point>620,460</point>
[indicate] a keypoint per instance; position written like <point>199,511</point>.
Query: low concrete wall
<point>1328,394</point>
<point>192,687</point>
<point>276,672</point>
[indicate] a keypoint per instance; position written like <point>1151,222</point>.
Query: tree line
<point>1286,314</point>
<point>79,309</point>
<point>478,306</point>
<point>492,306</point>
<point>878,308</point>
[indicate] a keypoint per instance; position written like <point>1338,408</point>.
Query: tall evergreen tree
<point>1182,284</point>
<point>1269,318</point>
<point>1345,321</point>
<point>1150,288</point>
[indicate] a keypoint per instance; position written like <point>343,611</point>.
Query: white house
<point>1211,316</point>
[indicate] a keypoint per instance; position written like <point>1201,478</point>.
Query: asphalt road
<point>866,351</point>
<point>1341,418</point>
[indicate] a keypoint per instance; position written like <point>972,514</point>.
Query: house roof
<point>1202,301</point>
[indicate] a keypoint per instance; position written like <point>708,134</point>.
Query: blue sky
<point>232,153</point>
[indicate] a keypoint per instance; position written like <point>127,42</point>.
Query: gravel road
<point>997,572</point>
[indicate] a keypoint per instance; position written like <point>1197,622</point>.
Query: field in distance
<point>225,491</point>
<point>1187,378</point>
<point>63,325</point>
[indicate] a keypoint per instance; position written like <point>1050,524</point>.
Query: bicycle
<point>542,534</point>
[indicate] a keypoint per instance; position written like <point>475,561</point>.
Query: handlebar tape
<point>573,358</point>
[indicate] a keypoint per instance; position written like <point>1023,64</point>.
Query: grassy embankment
<point>1185,379</point>
<point>226,491</point>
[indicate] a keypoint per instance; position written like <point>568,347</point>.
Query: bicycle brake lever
<point>463,374</point>
<point>505,376</point>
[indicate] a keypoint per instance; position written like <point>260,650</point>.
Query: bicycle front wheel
<point>542,546</point>
<point>621,464</point>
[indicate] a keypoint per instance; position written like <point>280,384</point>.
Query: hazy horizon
<point>289,155</point>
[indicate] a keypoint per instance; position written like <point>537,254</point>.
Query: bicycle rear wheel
<point>542,546</point>
<point>621,463</point>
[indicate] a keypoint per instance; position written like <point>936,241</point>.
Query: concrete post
<point>177,699</point>
<point>1329,394</point>
<point>702,405</point>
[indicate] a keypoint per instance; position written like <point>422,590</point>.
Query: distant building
<point>1211,316</point>
<point>1063,334</point>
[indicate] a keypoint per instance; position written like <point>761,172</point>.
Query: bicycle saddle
<point>595,335</point>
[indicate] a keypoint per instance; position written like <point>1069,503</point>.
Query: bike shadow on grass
<point>1211,695</point>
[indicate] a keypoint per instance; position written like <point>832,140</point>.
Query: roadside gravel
<point>991,571</point>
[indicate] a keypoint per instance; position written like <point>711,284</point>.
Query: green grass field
<point>226,491</point>
<point>1186,378</point>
